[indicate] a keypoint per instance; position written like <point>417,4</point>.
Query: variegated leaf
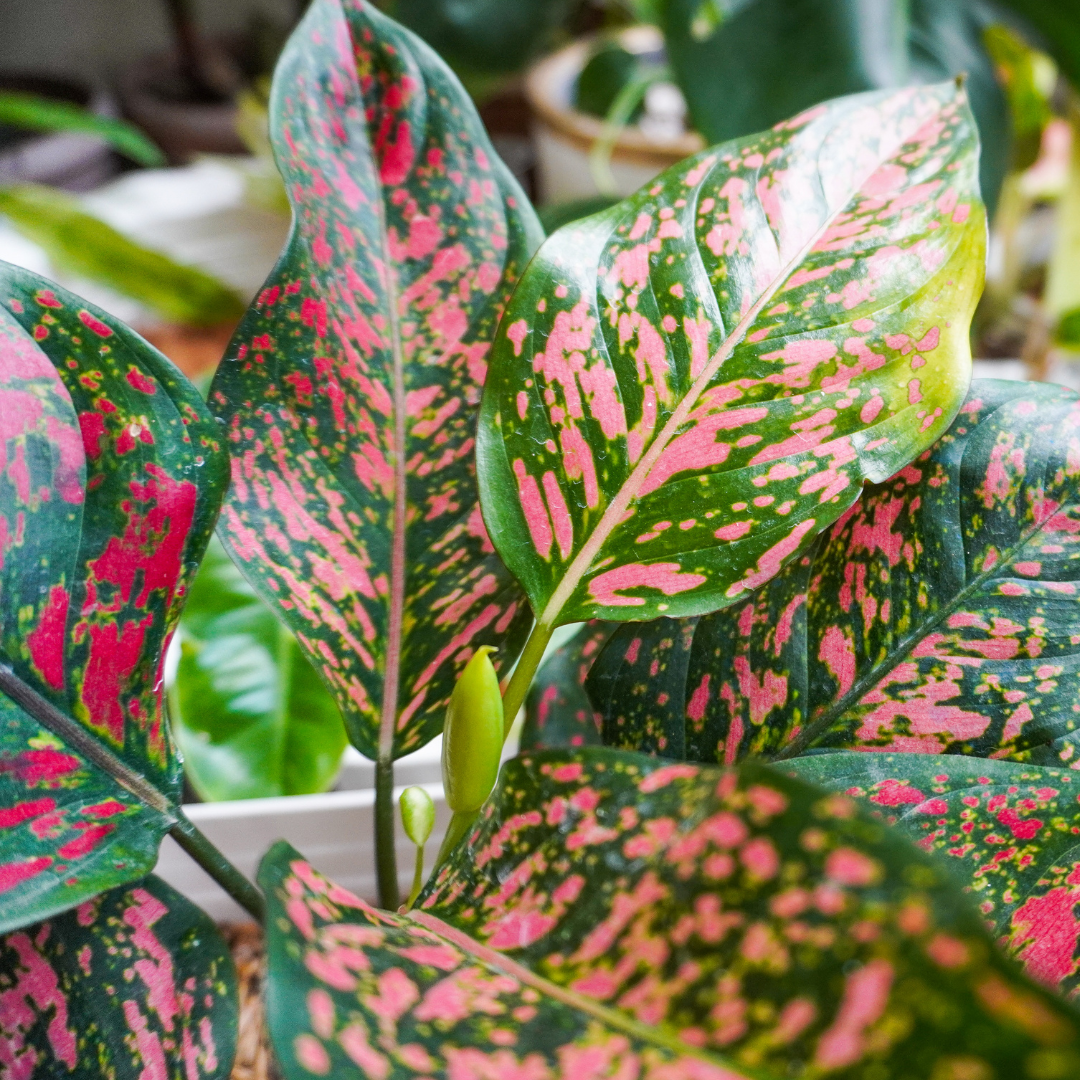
<point>349,393</point>
<point>557,709</point>
<point>110,479</point>
<point>613,913</point>
<point>686,388</point>
<point>1009,832</point>
<point>941,615</point>
<point>136,984</point>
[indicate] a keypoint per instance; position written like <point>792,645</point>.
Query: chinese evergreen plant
<point>445,443</point>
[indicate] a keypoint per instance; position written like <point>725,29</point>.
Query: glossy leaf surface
<point>557,710</point>
<point>136,984</point>
<point>79,243</point>
<point>685,389</point>
<point>755,918</point>
<point>349,392</point>
<point>355,992</point>
<point>769,59</point>
<point>611,909</point>
<point>1009,832</point>
<point>939,616</point>
<point>111,480</point>
<point>250,714</point>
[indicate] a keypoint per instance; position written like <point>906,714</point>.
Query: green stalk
<point>217,866</point>
<point>622,108</point>
<point>460,824</point>
<point>522,678</point>
<point>385,859</point>
<point>418,877</point>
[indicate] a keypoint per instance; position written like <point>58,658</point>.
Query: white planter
<point>565,136</point>
<point>334,831</point>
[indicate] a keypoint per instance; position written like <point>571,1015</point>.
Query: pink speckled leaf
<point>136,984</point>
<point>941,615</point>
<point>688,387</point>
<point>557,710</point>
<point>1009,832</point>
<point>349,393</point>
<point>110,481</point>
<point>651,920</point>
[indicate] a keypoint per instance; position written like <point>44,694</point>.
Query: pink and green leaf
<point>687,388</point>
<point>350,391</point>
<point>939,616</point>
<point>111,480</point>
<point>557,710</point>
<point>1009,832</point>
<point>668,920</point>
<point>136,984</point>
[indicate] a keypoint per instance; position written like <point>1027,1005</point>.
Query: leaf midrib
<point>618,506</point>
<point>876,673</point>
<point>646,1033</point>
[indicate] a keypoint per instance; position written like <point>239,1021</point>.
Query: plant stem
<point>385,860</point>
<point>418,877</point>
<point>217,866</point>
<point>522,678</point>
<point>460,824</point>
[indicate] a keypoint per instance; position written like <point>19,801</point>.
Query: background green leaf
<point>686,388</point>
<point>77,243</point>
<point>1009,833</point>
<point>46,114</point>
<point>349,391</point>
<point>251,715</point>
<point>133,984</point>
<point>112,480</point>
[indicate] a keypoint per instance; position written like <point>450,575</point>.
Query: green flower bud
<point>417,814</point>
<point>473,735</point>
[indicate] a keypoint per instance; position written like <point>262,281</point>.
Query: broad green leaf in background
<point>1058,25</point>
<point>687,388</point>
<point>249,712</point>
<point>640,919</point>
<point>557,710</point>
<point>484,35</point>
<point>111,479</point>
<point>46,114</point>
<point>1010,833</point>
<point>772,58</point>
<point>349,393</point>
<point>939,616</point>
<point>80,244</point>
<point>134,984</point>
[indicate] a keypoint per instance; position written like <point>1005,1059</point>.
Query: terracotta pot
<point>565,136</point>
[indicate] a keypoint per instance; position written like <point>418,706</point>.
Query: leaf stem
<point>99,755</point>
<point>199,847</point>
<point>460,824</point>
<point>385,858</point>
<point>418,877</point>
<point>522,678</point>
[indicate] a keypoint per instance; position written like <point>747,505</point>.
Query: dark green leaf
<point>79,244</point>
<point>1058,25</point>
<point>112,480</point>
<point>350,390</point>
<point>773,58</point>
<point>46,114</point>
<point>941,615</point>
<point>136,984</point>
<point>485,35</point>
<point>555,217</point>
<point>251,715</point>
<point>608,71</point>
<point>1009,833</point>
<point>687,388</point>
<point>654,921</point>
<point>557,710</point>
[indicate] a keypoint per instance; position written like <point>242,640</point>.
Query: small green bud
<point>473,735</point>
<point>417,814</point>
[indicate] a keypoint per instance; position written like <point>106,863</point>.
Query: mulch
<point>254,1058</point>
